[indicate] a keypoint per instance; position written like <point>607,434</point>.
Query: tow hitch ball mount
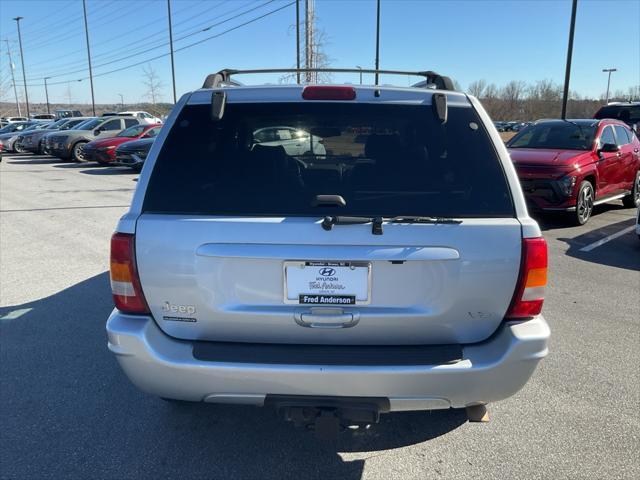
<point>328,416</point>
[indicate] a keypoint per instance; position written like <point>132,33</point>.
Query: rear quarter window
<point>274,159</point>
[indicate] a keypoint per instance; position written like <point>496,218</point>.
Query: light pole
<point>173,69</point>
<point>360,68</point>
<point>609,71</point>
<point>298,41</point>
<point>567,75</point>
<point>46,92</point>
<point>121,100</point>
<point>24,75</point>
<point>86,32</point>
<point>12,67</point>
<point>377,40</point>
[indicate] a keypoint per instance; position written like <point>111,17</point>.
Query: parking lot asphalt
<point>67,411</point>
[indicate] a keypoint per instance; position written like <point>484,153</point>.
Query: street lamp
<point>609,71</point>
<point>121,100</point>
<point>360,68</point>
<point>46,92</point>
<point>24,75</point>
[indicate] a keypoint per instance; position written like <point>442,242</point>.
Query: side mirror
<point>96,132</point>
<point>609,148</point>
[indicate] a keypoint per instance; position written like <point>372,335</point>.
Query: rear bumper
<point>128,160</point>
<point>489,371</point>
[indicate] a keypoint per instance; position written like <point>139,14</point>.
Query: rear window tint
<point>274,159</point>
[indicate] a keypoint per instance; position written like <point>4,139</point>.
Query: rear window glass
<point>625,113</point>
<point>275,159</point>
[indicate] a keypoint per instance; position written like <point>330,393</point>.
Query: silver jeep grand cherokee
<point>391,266</point>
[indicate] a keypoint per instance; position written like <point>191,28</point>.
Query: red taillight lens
<point>529,295</point>
<point>125,283</point>
<point>328,92</point>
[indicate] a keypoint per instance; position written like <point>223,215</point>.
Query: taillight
<point>328,92</point>
<point>125,283</point>
<point>529,295</point>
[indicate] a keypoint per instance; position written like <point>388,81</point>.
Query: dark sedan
<point>133,154</point>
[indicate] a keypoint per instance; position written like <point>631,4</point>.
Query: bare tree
<point>313,54</point>
<point>153,84</point>
<point>512,93</point>
<point>478,88</point>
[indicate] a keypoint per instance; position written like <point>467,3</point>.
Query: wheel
<point>18,147</point>
<point>584,203</point>
<point>40,148</point>
<point>633,199</point>
<point>78,153</point>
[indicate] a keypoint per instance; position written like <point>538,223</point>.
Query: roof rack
<point>432,79</point>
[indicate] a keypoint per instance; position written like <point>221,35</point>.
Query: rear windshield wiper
<point>432,220</point>
<point>376,222</point>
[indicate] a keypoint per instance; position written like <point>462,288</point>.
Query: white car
<point>144,117</point>
<point>397,270</point>
<point>294,141</point>
<point>17,119</point>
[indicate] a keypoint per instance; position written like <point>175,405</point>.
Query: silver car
<point>396,270</point>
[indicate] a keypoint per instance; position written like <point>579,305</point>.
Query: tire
<point>17,147</point>
<point>40,149</point>
<point>584,203</point>
<point>633,200</point>
<point>76,153</point>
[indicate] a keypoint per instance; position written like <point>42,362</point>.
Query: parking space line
<point>606,239</point>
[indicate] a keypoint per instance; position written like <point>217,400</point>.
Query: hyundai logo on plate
<point>327,272</point>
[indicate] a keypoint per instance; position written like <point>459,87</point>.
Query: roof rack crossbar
<point>223,77</point>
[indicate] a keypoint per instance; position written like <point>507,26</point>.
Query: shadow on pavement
<point>67,411</point>
<point>102,170</point>
<point>557,221</point>
<point>72,164</point>
<point>621,252</point>
<point>37,161</point>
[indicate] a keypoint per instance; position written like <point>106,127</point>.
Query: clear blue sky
<point>468,40</point>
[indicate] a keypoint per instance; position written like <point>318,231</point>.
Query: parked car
<point>70,144</point>
<point>638,223</point>
<point>293,140</point>
<point>15,143</point>
<point>9,134</point>
<point>67,113</point>
<point>103,150</point>
<point>628,112</point>
<point>17,119</point>
<point>133,154</point>
<point>144,117</point>
<point>573,165</point>
<point>500,126</point>
<point>375,277</point>
<point>33,141</point>
<point>43,116</point>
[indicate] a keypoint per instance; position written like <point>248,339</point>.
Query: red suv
<point>103,150</point>
<point>573,165</point>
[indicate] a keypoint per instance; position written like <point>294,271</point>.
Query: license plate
<point>327,283</point>
<point>56,145</point>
